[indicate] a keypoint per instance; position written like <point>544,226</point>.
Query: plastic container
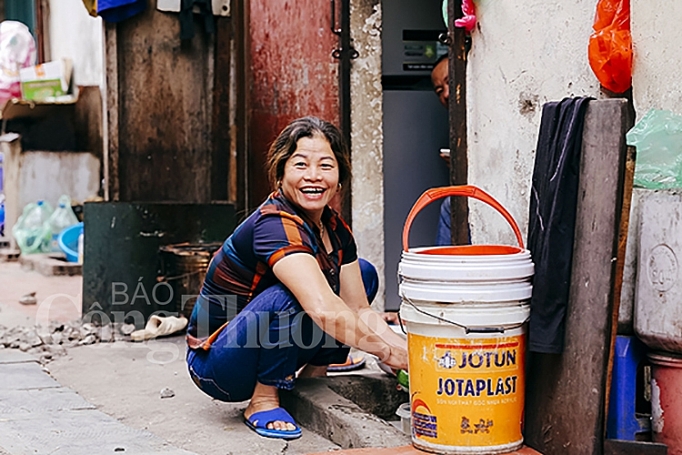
<point>666,400</point>
<point>68,241</point>
<point>657,312</point>
<point>62,218</point>
<point>184,269</point>
<point>2,216</point>
<point>403,412</point>
<point>626,419</point>
<point>81,248</point>
<point>465,309</point>
<point>31,231</point>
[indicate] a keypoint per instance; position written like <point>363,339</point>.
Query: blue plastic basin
<point>68,241</point>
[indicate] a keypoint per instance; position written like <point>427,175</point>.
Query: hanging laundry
<point>553,202</point>
<point>205,8</point>
<point>119,10</point>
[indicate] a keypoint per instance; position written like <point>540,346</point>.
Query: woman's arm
<point>353,294</point>
<point>301,274</point>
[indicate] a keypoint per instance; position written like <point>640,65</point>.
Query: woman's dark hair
<point>285,145</point>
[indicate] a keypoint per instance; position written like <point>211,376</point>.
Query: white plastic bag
<point>32,232</point>
<point>62,218</point>
<point>17,50</point>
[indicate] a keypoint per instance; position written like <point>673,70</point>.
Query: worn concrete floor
<point>116,390</point>
<point>123,380</point>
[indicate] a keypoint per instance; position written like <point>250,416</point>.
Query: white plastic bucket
<point>465,309</point>
<point>403,412</point>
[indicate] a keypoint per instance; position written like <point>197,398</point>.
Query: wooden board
<point>459,162</point>
<point>163,112</point>
<point>565,394</point>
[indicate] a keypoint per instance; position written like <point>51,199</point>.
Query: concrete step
<point>50,264</point>
<point>316,405</point>
<point>9,254</point>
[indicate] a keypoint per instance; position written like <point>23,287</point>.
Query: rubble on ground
<point>49,342</point>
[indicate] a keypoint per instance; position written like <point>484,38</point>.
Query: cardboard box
<point>46,81</point>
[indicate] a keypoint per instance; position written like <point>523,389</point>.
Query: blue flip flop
<point>259,421</point>
<point>353,362</point>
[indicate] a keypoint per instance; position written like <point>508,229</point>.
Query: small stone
<point>106,335</point>
<point>127,329</point>
<point>56,338</point>
<point>73,334</point>
<point>55,349</point>
<point>28,299</point>
<point>89,339</point>
<point>167,393</point>
<point>24,347</point>
<point>35,341</point>
<point>88,329</point>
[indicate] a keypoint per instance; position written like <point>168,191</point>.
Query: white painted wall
<point>656,38</point>
<point>523,55</point>
<point>77,35</point>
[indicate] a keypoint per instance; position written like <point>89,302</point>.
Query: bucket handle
<point>466,328</point>
<point>471,191</point>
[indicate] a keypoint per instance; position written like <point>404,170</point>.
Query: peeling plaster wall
<point>522,56</point>
<point>78,36</point>
<point>367,137</point>
<point>656,34</point>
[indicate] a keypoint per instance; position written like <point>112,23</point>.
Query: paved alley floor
<point>106,398</point>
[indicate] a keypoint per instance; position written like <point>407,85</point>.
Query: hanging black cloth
<point>552,219</point>
<point>186,17</point>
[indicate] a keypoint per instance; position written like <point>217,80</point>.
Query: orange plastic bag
<point>610,47</point>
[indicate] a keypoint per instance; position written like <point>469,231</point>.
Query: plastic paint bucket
<point>403,412</point>
<point>666,400</point>
<point>465,309</point>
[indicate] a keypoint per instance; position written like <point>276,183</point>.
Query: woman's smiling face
<point>311,176</point>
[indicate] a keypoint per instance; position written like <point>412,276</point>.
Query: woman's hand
<point>390,317</point>
<point>397,358</point>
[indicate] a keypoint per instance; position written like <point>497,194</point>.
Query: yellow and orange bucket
<point>465,309</point>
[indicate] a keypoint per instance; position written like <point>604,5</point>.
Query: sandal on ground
<point>158,326</point>
<point>259,421</point>
<point>353,362</point>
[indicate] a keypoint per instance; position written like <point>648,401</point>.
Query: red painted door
<point>293,74</point>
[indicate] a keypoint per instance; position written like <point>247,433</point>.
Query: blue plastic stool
<point>622,422</point>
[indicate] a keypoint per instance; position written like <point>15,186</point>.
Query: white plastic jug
<point>62,218</point>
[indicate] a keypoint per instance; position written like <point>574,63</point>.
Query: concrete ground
<point>107,398</point>
<point>120,380</point>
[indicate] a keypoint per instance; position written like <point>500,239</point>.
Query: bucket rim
<point>488,251</point>
<point>665,359</point>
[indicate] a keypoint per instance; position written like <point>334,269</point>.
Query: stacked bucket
<point>658,309</point>
<point>465,309</point>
